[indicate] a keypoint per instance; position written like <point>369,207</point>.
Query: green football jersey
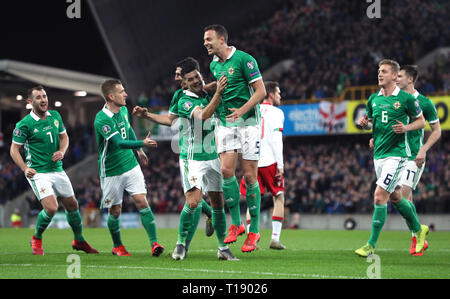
<point>112,160</point>
<point>241,69</point>
<point>415,138</point>
<point>384,112</point>
<point>40,138</point>
<point>173,108</point>
<point>197,138</point>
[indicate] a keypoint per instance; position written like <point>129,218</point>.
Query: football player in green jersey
<point>239,129</point>
<point>44,137</point>
<point>199,161</point>
<point>388,112</point>
<point>168,120</point>
<point>118,168</point>
<point>406,79</point>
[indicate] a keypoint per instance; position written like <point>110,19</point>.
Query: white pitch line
<point>231,272</point>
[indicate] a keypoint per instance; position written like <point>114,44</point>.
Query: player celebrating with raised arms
<point>387,113</point>
<point>118,168</point>
<point>239,128</point>
<point>45,140</point>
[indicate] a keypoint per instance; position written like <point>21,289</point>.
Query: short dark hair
<point>219,29</point>
<point>109,86</point>
<point>30,91</point>
<point>188,61</point>
<point>411,70</point>
<point>271,87</point>
<point>188,65</point>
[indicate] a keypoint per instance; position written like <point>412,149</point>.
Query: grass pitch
<point>309,254</point>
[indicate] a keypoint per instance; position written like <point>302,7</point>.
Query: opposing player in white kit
<point>270,164</point>
<point>44,137</point>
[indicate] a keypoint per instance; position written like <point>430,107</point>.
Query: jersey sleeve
<point>186,107</point>
<point>20,133</point>
<point>104,126</point>
<point>173,108</point>
<point>413,107</point>
<point>429,111</point>
<point>369,108</point>
<point>250,68</point>
<point>278,121</point>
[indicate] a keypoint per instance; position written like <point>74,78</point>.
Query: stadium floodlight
<point>29,106</point>
<point>58,104</point>
<point>19,97</point>
<point>80,93</point>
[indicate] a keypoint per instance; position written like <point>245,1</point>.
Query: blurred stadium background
<point>323,53</point>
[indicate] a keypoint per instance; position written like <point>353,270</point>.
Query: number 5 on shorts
<point>257,148</point>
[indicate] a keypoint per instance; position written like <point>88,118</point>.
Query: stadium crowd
<point>335,45</point>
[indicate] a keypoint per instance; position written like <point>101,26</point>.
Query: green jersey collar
<point>416,94</point>
<point>107,112</point>
<point>37,118</point>
<point>394,93</point>
<point>233,50</point>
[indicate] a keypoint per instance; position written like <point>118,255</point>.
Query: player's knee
<point>51,210</point>
<point>115,211</point>
<point>227,172</point>
<point>396,196</point>
<point>381,196</point>
<point>250,177</point>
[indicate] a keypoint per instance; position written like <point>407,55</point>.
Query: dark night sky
<point>40,32</point>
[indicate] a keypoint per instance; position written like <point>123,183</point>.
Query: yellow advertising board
<point>356,109</point>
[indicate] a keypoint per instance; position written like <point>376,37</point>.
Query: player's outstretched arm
<point>132,144</point>
<point>165,120</point>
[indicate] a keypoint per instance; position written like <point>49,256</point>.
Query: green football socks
<point>114,229</point>
<point>232,196</point>
<point>219,224</point>
<point>206,208</point>
<point>406,209</point>
<point>43,220</point>
<point>193,227</point>
<point>75,222</point>
<point>378,220</point>
<point>148,222</point>
<point>253,197</point>
<point>186,220</point>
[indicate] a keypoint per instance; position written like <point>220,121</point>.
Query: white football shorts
<point>246,140</point>
<point>51,183</point>
<point>203,175</point>
<point>412,174</point>
<point>113,187</point>
<point>389,172</point>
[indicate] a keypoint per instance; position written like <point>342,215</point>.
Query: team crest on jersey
<point>397,105</point>
<point>106,129</point>
<point>231,71</point>
<point>17,132</point>
<point>56,122</point>
<point>187,106</point>
<point>251,65</point>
